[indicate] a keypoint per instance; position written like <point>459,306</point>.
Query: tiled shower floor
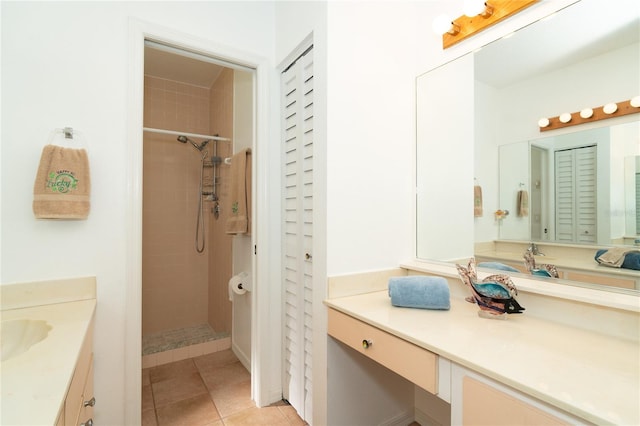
<point>175,339</point>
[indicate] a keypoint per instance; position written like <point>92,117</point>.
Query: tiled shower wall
<point>177,285</point>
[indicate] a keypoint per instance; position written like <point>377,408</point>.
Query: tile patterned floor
<point>212,390</point>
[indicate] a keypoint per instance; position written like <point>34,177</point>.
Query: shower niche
<point>186,255</point>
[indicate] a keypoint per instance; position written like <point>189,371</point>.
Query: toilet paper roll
<point>237,285</point>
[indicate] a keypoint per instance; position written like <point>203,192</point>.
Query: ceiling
<point>581,31</point>
<point>172,66</point>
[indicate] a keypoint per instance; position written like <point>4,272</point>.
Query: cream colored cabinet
<point>478,400</point>
<point>486,405</point>
<point>77,409</point>
<point>410,361</point>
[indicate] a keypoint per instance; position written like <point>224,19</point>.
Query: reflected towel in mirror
<point>477,201</point>
<point>619,257</point>
<point>523,203</point>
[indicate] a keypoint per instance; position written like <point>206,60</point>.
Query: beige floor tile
<point>145,377</point>
<point>149,418</point>
<point>196,411</point>
<point>218,377</point>
<point>292,415</point>
<point>172,370</point>
<point>270,416</point>
<point>232,398</point>
<point>147,398</point>
<point>176,389</point>
<point>215,360</point>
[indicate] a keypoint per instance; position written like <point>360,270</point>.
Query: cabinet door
<point>479,400</point>
<point>486,405</point>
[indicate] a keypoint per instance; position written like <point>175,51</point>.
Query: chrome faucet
<point>533,249</point>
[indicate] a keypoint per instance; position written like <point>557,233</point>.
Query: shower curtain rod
<point>193,135</point>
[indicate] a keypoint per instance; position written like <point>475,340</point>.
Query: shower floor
<point>179,338</point>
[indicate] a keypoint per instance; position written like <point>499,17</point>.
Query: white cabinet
<point>77,409</point>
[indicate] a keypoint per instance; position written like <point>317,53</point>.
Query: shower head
<point>185,139</point>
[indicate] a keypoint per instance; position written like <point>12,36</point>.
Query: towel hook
<point>68,132</point>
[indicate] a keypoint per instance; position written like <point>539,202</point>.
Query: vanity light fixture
<point>610,108</point>
<point>473,8</point>
<point>478,15</point>
<point>443,24</point>
<point>588,115</point>
<point>565,117</point>
<point>543,122</point>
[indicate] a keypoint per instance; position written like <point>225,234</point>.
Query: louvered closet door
<point>576,196</point>
<point>297,113</point>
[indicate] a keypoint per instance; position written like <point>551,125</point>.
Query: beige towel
<point>239,221</point>
<point>523,203</point>
<point>615,256</point>
<point>477,201</point>
<point>63,184</point>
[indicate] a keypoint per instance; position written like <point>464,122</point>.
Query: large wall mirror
<point>585,55</point>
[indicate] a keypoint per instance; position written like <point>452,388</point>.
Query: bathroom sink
<point>19,335</point>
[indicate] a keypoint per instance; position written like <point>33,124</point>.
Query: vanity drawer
<point>406,359</point>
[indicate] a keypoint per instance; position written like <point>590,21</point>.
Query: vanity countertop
<point>581,259</point>
<point>35,383</point>
<point>592,376</point>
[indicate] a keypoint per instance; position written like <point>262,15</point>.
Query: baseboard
<point>402,419</point>
<point>242,357</point>
<point>424,419</point>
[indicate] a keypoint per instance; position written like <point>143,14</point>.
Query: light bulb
<point>586,113</point>
<point>565,117</point>
<point>635,102</point>
<point>441,24</point>
<point>472,8</point>
<point>610,108</point>
<point>543,122</point>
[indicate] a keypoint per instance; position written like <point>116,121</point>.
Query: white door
<point>297,205</point>
<point>576,197</point>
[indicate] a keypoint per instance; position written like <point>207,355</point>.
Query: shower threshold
<point>179,338</point>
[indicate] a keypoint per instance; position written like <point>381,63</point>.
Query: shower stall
<point>186,255</point>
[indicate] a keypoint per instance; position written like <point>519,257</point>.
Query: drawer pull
<point>366,344</point>
<point>90,403</point>
<point>87,423</point>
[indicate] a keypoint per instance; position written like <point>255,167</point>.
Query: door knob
<point>366,344</point>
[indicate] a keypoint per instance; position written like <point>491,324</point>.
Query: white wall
<point>65,64</point>
<point>371,134</point>
<point>243,137</point>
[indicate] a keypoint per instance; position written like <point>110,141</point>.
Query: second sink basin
<point>19,335</point>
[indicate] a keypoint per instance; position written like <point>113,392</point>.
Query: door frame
<point>266,384</point>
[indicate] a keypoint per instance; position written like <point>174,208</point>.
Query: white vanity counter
<point>590,375</point>
<point>35,382</point>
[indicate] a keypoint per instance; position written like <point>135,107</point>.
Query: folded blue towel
<point>631,260</point>
<point>419,291</point>
<point>497,265</point>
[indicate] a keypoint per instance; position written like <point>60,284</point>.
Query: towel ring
<point>67,137</point>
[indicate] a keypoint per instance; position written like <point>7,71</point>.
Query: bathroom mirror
<point>586,55</point>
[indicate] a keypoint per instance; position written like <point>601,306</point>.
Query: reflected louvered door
<point>576,195</point>
<point>297,202</point>
<point>586,195</point>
